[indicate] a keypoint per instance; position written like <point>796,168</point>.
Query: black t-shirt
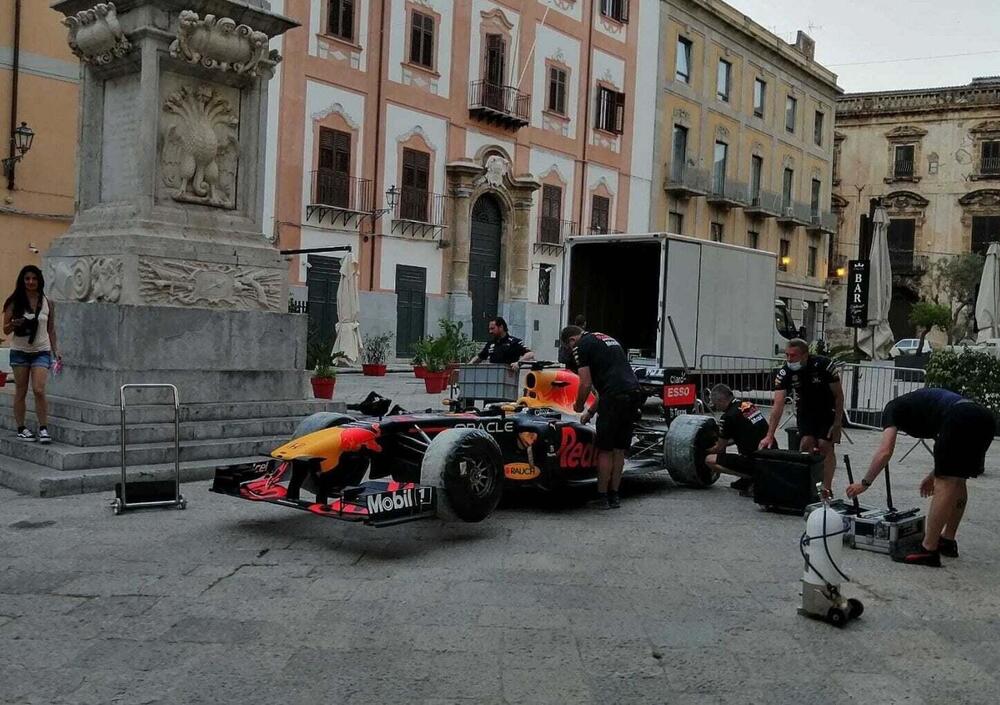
<point>920,413</point>
<point>811,384</point>
<point>744,423</point>
<point>609,367</point>
<point>506,350</point>
<point>567,358</point>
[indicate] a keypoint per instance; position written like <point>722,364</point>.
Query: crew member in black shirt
<point>565,351</point>
<point>963,432</point>
<point>503,349</point>
<point>742,424</point>
<point>819,404</point>
<point>604,368</point>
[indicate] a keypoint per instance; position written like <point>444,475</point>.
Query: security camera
<point>32,249</point>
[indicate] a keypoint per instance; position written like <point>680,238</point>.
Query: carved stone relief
<point>496,169</point>
<point>188,283</point>
<point>199,150</point>
<point>96,36</point>
<point>220,43</point>
<point>88,279</point>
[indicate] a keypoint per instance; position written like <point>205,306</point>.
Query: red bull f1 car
<point>385,466</point>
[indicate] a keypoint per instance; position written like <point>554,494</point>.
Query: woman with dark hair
<point>30,316</point>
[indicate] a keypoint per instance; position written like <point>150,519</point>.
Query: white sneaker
<point>43,436</point>
<point>26,435</point>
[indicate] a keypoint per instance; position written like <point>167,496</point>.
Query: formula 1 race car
<point>388,466</point>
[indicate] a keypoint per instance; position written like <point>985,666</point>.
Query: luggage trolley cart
<point>151,493</point>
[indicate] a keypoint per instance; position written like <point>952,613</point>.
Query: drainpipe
<point>586,118</point>
<point>376,182</point>
<point>15,69</point>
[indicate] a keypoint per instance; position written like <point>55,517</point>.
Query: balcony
<point>905,264</point>
<point>793,213</point>
<point>989,168</point>
<point>727,194</point>
<point>419,213</point>
<point>903,170</point>
<point>552,232</point>
<point>338,199</point>
<point>685,181</point>
<point>504,106</point>
<point>763,204</point>
<point>822,222</point>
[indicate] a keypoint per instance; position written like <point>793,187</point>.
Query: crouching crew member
<point>819,405</point>
<point>743,425</point>
<point>503,348</point>
<point>963,431</point>
<point>604,368</point>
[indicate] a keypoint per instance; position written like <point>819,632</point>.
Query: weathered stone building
<point>744,144</point>
<point>933,156</point>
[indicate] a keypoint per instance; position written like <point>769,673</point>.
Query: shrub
<point>972,373</point>
<point>376,349</point>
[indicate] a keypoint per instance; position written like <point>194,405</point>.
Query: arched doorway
<point>484,263</point>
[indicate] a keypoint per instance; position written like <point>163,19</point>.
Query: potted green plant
<point>420,349</point>
<point>436,357</point>
<point>376,350</point>
<point>324,376</point>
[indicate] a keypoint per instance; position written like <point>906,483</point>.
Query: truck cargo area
<point>616,286</point>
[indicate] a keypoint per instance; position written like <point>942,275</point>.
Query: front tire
<point>465,466</point>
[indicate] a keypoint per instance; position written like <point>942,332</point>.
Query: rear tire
<point>320,421</point>
<point>465,466</point>
<point>689,439</point>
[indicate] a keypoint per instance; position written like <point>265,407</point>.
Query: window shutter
<point>623,10</point>
<point>619,122</point>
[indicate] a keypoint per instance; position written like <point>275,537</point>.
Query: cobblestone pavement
<point>681,597</point>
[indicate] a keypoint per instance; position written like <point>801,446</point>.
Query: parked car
<point>908,346</point>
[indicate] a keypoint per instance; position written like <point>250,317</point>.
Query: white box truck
<point>719,297</point>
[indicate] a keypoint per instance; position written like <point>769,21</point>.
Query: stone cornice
<point>972,96</point>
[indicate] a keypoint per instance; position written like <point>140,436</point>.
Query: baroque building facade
<point>453,146</point>
<point>933,157</point>
<point>744,145</point>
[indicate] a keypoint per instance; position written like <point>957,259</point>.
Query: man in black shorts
<point>819,404</point>
<point>503,349</point>
<point>963,431</point>
<point>743,425</point>
<point>604,368</point>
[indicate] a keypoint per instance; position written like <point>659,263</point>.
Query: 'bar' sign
<point>857,293</point>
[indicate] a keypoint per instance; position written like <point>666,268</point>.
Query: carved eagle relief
<point>188,283</point>
<point>199,148</point>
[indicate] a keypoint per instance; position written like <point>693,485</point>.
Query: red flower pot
<point>436,382</point>
<point>3,379</point>
<point>419,371</point>
<point>373,370</point>
<point>323,387</point>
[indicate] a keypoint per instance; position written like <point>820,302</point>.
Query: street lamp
<point>392,196</point>
<point>20,142</point>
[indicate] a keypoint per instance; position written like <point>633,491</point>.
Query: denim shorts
<point>19,358</point>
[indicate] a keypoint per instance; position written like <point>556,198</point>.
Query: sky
<point>862,40</point>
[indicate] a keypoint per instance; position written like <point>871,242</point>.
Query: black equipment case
<point>786,480</point>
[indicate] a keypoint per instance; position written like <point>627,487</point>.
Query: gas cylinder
<point>823,547</point>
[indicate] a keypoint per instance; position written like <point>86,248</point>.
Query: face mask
<point>795,366</point>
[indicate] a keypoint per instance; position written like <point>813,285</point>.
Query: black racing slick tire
<point>320,421</point>
<point>465,467</point>
<point>689,439</point>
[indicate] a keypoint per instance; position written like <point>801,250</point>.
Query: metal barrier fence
<point>868,387</point>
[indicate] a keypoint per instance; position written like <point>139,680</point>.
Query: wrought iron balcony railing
<point>685,180</point>
<point>502,105</point>
<point>990,166</point>
<point>902,169</point>
<point>339,197</point>
<point>553,231</point>
<point>763,204</point>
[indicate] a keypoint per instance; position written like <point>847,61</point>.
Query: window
<point>422,39</point>
<point>759,96</point>
<point>715,229</point>
<point>610,115</point>
<point>722,79</point>
<point>814,201</point>
<point>600,214</point>
<point>756,170</point>
<point>333,177</point>
<point>791,106</point>
<point>811,262</point>
<point>494,73</point>
<point>615,9</point>
<point>753,239</point>
<point>340,19</point>
<point>678,158</point>
<point>414,195</point>
<point>985,229</point>
<point>786,189</point>
<point>991,158</point>
<point>675,223</point>
<point>719,168</point>
<point>900,238</point>
<point>544,283</point>
<point>784,259</point>
<point>551,214</point>
<point>682,70</point>
<point>902,167</point>
<point>557,90</point>
<point>818,129</point>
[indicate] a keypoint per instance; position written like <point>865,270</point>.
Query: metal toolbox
<point>887,530</point>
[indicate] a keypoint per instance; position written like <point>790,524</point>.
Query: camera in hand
<point>27,328</point>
